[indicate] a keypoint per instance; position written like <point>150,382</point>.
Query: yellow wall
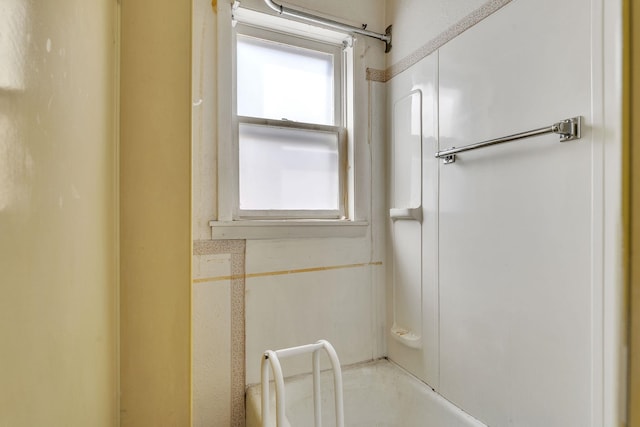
<point>634,333</point>
<point>155,212</point>
<point>58,281</point>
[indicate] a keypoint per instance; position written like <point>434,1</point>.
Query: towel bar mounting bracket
<point>568,129</point>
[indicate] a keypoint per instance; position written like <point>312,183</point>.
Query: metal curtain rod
<point>282,10</point>
<point>568,130</point>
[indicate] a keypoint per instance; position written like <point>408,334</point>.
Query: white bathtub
<point>376,394</point>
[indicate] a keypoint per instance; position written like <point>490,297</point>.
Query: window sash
<point>276,81</point>
<point>339,213</point>
<point>272,35</point>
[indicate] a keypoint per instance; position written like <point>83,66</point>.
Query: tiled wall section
<point>296,293</point>
<point>302,290</point>
<point>218,332</point>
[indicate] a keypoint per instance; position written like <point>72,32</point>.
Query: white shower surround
<point>506,327</point>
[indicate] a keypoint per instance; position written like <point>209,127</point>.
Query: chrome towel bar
<point>568,130</point>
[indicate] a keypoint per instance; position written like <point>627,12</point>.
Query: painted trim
<point>434,44</point>
<point>117,220</point>
<point>290,229</point>
<point>608,127</point>
<point>631,87</point>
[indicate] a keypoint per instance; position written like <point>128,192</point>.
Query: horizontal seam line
<point>283,272</point>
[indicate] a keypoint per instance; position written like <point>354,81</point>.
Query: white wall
<point>58,213</point>
<point>522,227</point>
<point>415,22</point>
<point>296,290</point>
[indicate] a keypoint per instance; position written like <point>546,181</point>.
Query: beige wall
<point>58,281</point>
<point>155,213</point>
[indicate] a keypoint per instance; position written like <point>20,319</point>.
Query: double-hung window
<point>289,128</point>
<point>291,142</point>
<point>291,162</point>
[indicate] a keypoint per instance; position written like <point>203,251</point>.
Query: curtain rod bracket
<point>387,41</point>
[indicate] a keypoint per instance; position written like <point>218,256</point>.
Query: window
<point>290,162</point>
<point>290,135</point>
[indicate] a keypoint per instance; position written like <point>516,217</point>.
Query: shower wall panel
<point>518,296</point>
<point>412,298</point>
<point>406,216</point>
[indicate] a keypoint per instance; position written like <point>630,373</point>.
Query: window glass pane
<point>277,81</point>
<point>288,169</point>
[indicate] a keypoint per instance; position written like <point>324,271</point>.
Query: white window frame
<point>228,224</point>
<point>336,52</point>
